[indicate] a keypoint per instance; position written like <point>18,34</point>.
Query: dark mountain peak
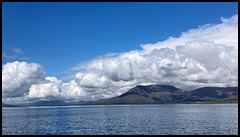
<point>145,90</point>
<point>158,88</point>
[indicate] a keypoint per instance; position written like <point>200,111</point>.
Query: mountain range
<point>155,94</point>
<point>158,94</point>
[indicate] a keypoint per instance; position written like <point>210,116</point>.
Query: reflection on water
<point>168,119</point>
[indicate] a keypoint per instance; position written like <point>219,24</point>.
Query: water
<point>167,119</point>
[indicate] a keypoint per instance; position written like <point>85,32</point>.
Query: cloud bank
<point>205,56</point>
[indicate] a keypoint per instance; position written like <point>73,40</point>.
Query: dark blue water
<point>168,119</point>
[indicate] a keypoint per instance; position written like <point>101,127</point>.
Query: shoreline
<point>206,102</point>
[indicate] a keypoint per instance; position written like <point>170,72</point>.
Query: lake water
<point>167,119</point>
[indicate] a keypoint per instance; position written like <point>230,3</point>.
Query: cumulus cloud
<point>50,88</point>
<point>225,33</point>
<point>118,69</point>
<point>205,56</point>
<point>18,77</point>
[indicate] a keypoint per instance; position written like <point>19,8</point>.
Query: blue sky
<point>57,35</point>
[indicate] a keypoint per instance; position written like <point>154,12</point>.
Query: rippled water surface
<point>167,119</point>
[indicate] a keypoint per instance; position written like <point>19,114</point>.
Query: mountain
<point>7,105</point>
<point>49,103</point>
<point>43,103</point>
<point>155,94</point>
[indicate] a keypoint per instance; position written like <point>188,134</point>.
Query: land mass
<point>155,94</point>
<point>7,105</point>
<point>159,94</point>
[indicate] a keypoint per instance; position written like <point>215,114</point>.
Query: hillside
<point>49,103</point>
<point>40,103</point>
<point>7,105</point>
<point>157,94</point>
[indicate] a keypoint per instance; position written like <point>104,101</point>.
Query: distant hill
<point>43,103</point>
<point>49,103</point>
<point>7,105</point>
<point>157,94</point>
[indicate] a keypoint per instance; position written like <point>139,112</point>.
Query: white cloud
<point>225,33</point>
<point>12,56</point>
<point>205,52</point>
<point>206,56</point>
<point>50,88</point>
<point>117,69</point>
<point>17,78</point>
<point>72,91</point>
<point>91,80</point>
<point>17,50</point>
<point>25,58</point>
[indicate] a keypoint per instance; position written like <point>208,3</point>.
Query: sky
<point>81,51</point>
